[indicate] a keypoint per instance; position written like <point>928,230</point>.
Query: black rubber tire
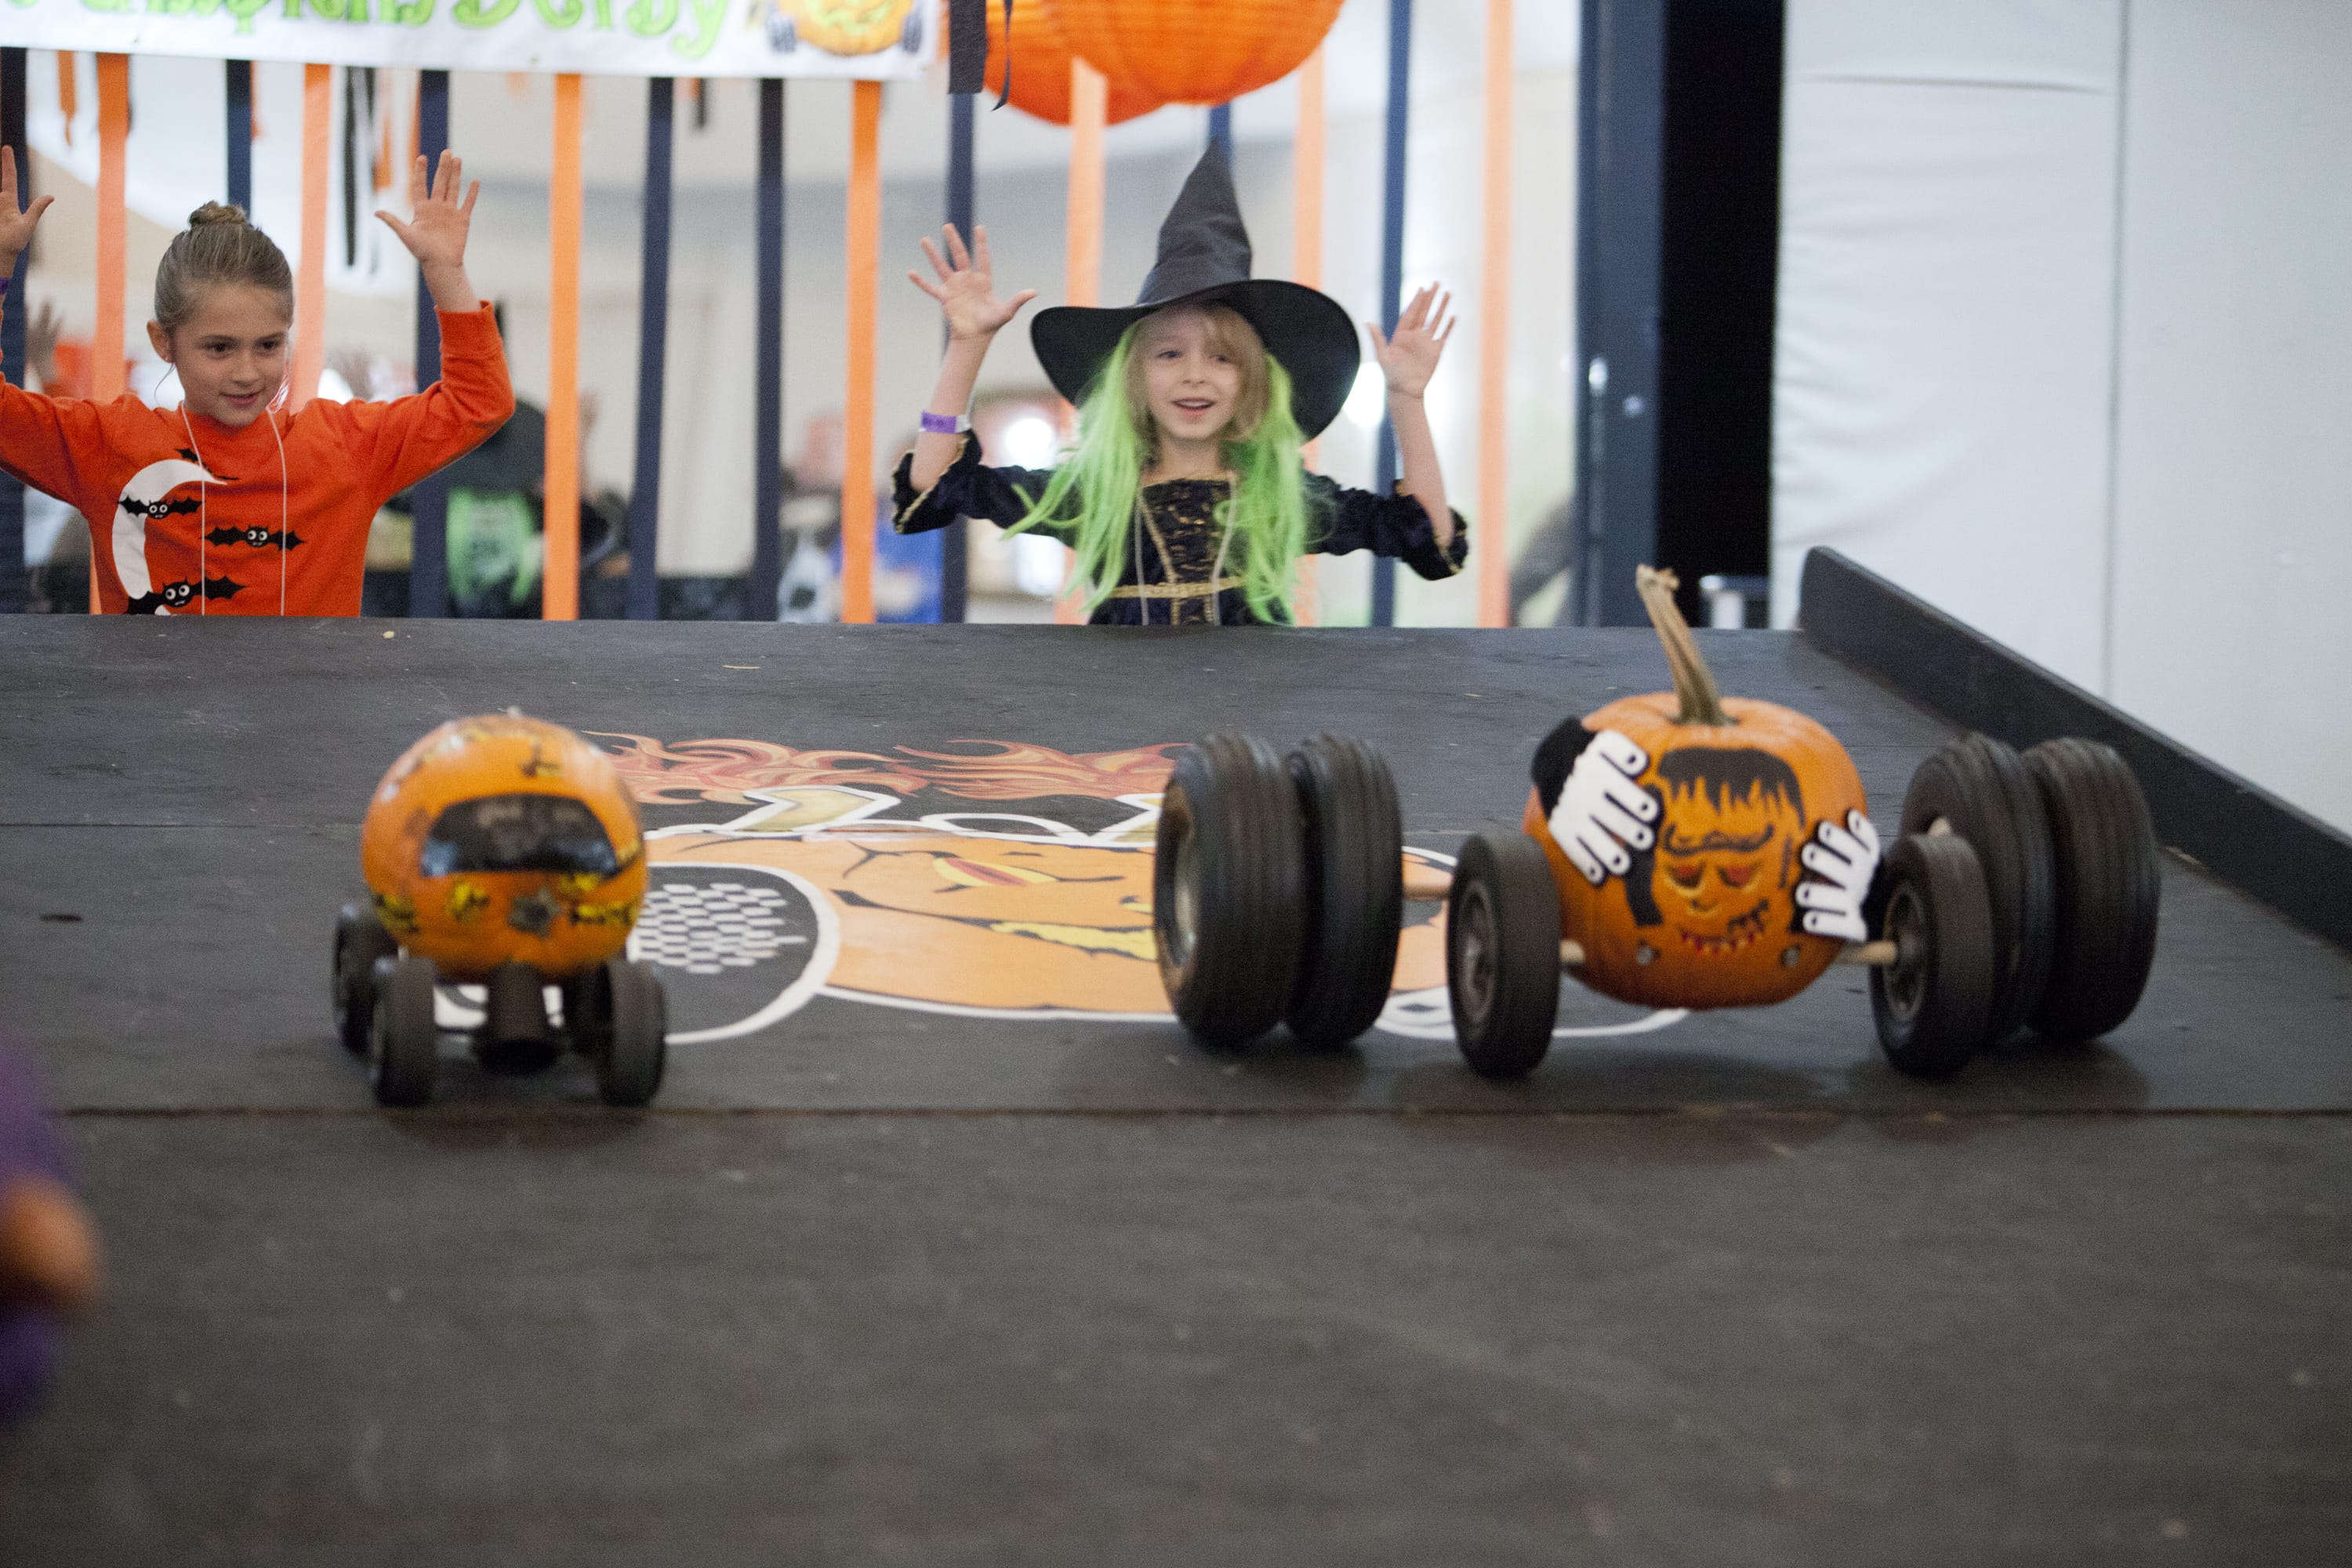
<point>360,941</point>
<point>1502,954</point>
<point>1229,889</point>
<point>1983,791</point>
<point>633,1046</point>
<point>1354,840</point>
<point>2110,884</point>
<point>1934,1004</point>
<point>404,1042</point>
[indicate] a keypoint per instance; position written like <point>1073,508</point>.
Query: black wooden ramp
<point>943,1245</point>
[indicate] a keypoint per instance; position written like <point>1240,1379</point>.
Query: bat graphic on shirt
<point>175,596</point>
<point>257,537</point>
<point>154,509</point>
<point>187,454</point>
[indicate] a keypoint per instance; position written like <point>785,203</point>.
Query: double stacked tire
<point>2048,862</point>
<point>1353,838</point>
<point>1229,894</point>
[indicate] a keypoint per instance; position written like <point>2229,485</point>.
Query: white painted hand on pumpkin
<point>1842,862</point>
<point>1602,810</point>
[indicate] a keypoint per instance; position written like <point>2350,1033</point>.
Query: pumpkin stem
<point>1701,700</point>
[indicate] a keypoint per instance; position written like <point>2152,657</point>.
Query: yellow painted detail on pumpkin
<point>467,900</point>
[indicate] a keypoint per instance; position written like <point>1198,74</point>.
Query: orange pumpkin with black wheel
<point>1706,914</point>
<point>502,851</point>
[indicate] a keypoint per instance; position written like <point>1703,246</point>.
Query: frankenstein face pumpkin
<point>504,838</point>
<point>1707,916</point>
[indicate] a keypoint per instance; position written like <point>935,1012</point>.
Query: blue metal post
<point>428,565</point>
<point>653,345</point>
<point>955,543</point>
<point>1392,269</point>
<point>12,330</point>
<point>768,418</point>
<point>241,133</point>
<point>1221,130</point>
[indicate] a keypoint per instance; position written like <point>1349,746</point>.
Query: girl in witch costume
<point>1186,498</point>
<point>227,505</point>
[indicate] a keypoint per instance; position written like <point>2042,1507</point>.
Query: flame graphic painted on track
<point>725,771</point>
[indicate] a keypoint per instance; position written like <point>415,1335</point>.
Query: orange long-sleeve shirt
<point>191,516</point>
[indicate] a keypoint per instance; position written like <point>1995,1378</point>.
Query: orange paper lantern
<point>1192,51</point>
<point>1041,68</point>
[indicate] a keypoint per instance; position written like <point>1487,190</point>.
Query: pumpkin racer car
<point>1678,849</point>
<point>504,852</point>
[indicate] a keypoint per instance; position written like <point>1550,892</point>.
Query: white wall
<point>2062,345</point>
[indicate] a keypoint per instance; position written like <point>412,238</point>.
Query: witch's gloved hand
<point>1841,862</point>
<point>1602,810</point>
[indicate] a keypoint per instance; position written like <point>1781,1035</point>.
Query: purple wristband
<point>944,424</point>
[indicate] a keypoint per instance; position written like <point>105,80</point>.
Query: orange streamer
<point>69,92</point>
<point>109,377</point>
<point>1089,109</point>
<point>560,585</point>
<point>1307,268</point>
<point>865,260</point>
<point>1491,547</point>
<point>310,279</point>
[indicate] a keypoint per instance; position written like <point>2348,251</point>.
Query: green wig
<point>1099,487</point>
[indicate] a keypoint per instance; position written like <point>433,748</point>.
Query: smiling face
<point>1200,373</point>
<point>230,352</point>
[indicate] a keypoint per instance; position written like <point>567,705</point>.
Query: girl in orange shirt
<point>227,505</point>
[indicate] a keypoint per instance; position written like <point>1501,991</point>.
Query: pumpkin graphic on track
<point>504,838</point>
<point>1707,917</point>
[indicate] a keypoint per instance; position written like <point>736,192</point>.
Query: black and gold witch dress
<point>1171,575</point>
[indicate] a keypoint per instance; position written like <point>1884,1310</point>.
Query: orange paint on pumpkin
<point>501,838</point>
<point>1193,51</point>
<point>1040,70</point>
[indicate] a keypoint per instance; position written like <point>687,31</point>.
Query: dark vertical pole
<point>768,283</point>
<point>653,348</point>
<point>13,309</point>
<point>1620,168</point>
<point>1221,130</point>
<point>955,544</point>
<point>1392,269</point>
<point>428,565</point>
<point>241,133</point>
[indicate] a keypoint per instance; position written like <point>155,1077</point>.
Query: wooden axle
<point>1425,883</point>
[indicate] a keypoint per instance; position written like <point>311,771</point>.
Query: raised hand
<point>966,293</point>
<point>15,226</point>
<point>438,223</point>
<point>1410,358</point>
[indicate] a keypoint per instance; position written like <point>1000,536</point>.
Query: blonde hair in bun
<point>219,246</point>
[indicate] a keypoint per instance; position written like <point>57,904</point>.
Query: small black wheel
<point>910,34</point>
<point>633,1047</point>
<point>1934,1003</point>
<point>1502,954</point>
<point>2110,883</point>
<point>783,36</point>
<point>1981,789</point>
<point>404,1044</point>
<point>1229,896</point>
<point>360,941</point>
<point>1354,889</point>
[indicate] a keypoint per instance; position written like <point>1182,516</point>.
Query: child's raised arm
<point>966,298</point>
<point>435,231</point>
<point>1408,360</point>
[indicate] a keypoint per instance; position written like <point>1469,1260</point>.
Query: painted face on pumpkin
<point>1726,853</point>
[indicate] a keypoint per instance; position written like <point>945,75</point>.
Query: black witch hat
<point>1204,258</point>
